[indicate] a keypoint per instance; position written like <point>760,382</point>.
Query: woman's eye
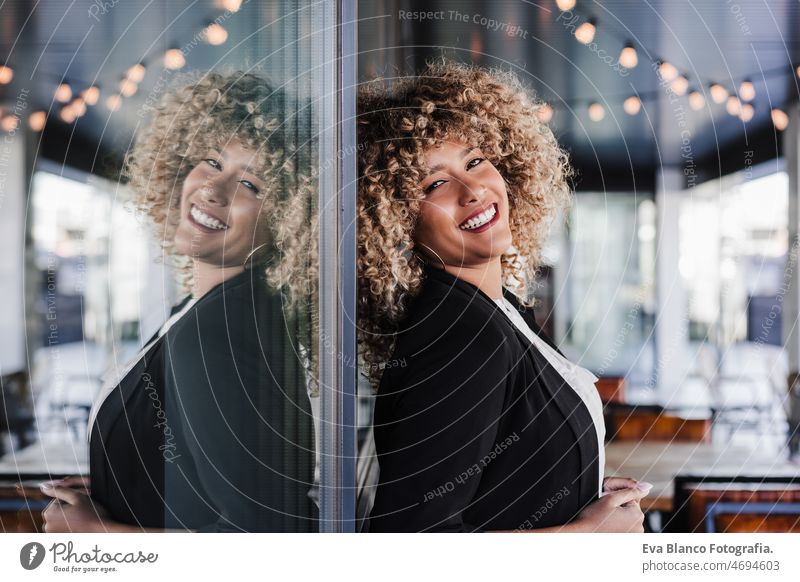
<point>213,163</point>
<point>250,186</point>
<point>434,185</point>
<point>474,162</point>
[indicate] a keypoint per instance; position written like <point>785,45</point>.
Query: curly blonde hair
<point>206,112</point>
<point>396,126</point>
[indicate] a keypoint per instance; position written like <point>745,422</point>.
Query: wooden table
<point>660,462</point>
<point>21,508</point>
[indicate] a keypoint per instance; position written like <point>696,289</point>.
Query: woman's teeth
<point>206,220</point>
<point>479,220</point>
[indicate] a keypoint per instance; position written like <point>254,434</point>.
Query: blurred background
<point>673,278</point>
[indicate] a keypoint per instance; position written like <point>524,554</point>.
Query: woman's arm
<point>73,511</point>
<point>240,404</point>
<point>446,406</point>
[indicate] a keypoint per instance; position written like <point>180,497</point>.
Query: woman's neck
<point>487,277</point>
<point>206,276</point>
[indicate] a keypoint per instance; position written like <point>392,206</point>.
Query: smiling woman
<point>208,428</point>
<point>488,427</point>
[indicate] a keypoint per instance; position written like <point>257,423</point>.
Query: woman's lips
<point>486,226</point>
<point>203,227</point>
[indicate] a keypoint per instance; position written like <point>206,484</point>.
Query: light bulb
<point>747,92</point>
<point>632,105</point>
<point>747,113</point>
<point>628,58</point>
<point>779,119</point>
<point>114,102</point>
<point>667,71</point>
<point>91,95</point>
<point>585,32</point>
<point>6,74</point>
<point>232,5</point>
<point>696,100</point>
<point>174,59</point>
<point>9,123</point>
<point>733,106</point>
<point>596,112</point>
<point>215,34</point>
<point>718,93</point>
<point>37,120</point>
<point>680,85</point>
<point>63,93</point>
<point>66,114</point>
<point>128,88</point>
<point>78,107</point>
<point>136,73</point>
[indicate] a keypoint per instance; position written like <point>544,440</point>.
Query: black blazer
<point>474,429</point>
<point>212,429</point>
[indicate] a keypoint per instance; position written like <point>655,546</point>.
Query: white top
<point>114,375</point>
<point>580,379</point>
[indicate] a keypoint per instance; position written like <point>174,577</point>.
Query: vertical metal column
<point>337,183</point>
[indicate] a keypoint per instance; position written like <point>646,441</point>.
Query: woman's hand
<point>616,512</point>
<point>79,482</point>
<point>72,510</point>
<point>618,483</point>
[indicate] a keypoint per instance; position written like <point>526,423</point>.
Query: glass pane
<point>604,292</point>
<point>173,319</point>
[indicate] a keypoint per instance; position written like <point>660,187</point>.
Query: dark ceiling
<point>708,40</point>
<point>722,41</point>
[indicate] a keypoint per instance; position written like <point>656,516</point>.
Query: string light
<point>696,100</point>
<point>667,71</point>
<point>216,34</point>
<point>63,93</point>
<point>747,92</point>
<point>128,88</point>
<point>680,85</point>
<point>734,105</point>
<point>747,113</point>
<point>779,119</point>
<point>718,93</point>
<point>545,113</point>
<point>114,102</point>
<point>585,32</point>
<point>136,73</point>
<point>174,59</point>
<point>91,95</point>
<point>37,120</point>
<point>9,123</point>
<point>66,114</point>
<point>632,105</point>
<point>78,107</point>
<point>628,58</point>
<point>235,5</point>
<point>6,74</point>
<point>596,112</point>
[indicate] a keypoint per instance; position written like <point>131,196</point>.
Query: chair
<point>722,505</point>
<point>654,423</point>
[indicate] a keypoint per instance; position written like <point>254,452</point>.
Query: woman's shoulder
<point>451,310</point>
<point>242,304</point>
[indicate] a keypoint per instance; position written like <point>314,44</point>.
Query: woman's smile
<point>481,221</point>
<point>205,221</point>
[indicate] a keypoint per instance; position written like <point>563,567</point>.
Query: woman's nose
<point>472,191</point>
<point>213,193</point>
